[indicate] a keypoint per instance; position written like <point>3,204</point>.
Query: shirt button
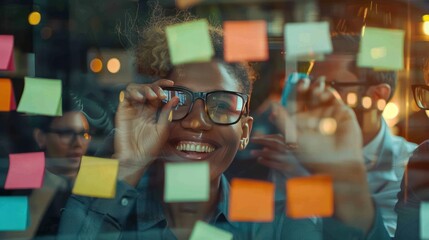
<point>124,202</point>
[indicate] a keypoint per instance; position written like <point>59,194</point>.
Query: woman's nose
<point>197,119</point>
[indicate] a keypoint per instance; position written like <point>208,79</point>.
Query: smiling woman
<point>198,113</point>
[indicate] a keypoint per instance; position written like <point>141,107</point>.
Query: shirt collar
<point>378,153</point>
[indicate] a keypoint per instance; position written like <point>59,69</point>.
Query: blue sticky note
<point>13,213</point>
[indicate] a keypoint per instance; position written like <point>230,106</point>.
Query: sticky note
<point>309,196</point>
<point>96,177</point>
<point>14,213</point>
<point>381,48</point>
<point>183,4</point>
<point>26,170</point>
<point>187,182</point>
<point>251,201</point>
<point>245,41</point>
<point>189,42</point>
<point>41,96</point>
<point>7,95</point>
<point>7,62</point>
<point>307,40</point>
<point>204,231</point>
<point>424,220</point>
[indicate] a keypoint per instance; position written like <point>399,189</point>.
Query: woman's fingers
<point>166,114</point>
<point>275,142</point>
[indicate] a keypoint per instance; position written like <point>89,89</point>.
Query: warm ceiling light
<point>34,18</point>
<point>96,65</point>
<point>113,65</point>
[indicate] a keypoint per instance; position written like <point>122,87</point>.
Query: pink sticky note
<point>6,53</point>
<point>26,170</point>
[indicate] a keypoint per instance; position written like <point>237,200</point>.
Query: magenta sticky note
<point>26,170</point>
<point>7,62</point>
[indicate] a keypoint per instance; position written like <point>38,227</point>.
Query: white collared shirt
<point>385,158</point>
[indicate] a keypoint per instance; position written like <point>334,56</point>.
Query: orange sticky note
<point>309,196</point>
<point>251,201</point>
<point>245,41</point>
<point>7,96</point>
<point>183,4</point>
<point>26,170</point>
<point>7,61</point>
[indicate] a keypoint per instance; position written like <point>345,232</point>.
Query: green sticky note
<point>382,49</point>
<point>189,42</point>
<point>41,96</point>
<point>187,182</point>
<point>14,213</point>
<point>305,41</point>
<point>204,231</point>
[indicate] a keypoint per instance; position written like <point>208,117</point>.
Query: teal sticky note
<point>381,49</point>
<point>424,220</point>
<point>187,182</point>
<point>41,96</point>
<point>14,213</point>
<point>204,231</point>
<point>189,42</point>
<point>307,40</point>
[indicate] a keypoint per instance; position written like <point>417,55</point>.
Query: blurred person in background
<point>64,140</point>
<point>415,185</point>
<point>385,154</point>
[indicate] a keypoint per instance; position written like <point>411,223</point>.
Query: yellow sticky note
<point>382,49</point>
<point>97,177</point>
<point>189,42</point>
<point>307,40</point>
<point>41,96</point>
<point>204,231</point>
<point>309,196</point>
<point>245,41</point>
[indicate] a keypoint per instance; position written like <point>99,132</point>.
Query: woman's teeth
<point>195,147</point>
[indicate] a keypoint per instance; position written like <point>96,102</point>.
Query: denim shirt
<point>137,213</point>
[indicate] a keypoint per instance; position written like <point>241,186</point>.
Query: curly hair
<point>153,58</point>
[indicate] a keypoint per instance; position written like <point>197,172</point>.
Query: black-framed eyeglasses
<point>222,107</point>
<point>336,84</point>
<point>421,95</point>
<point>67,136</point>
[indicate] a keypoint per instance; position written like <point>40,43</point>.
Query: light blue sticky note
<point>307,40</point>
<point>204,231</point>
<point>41,96</point>
<point>189,42</point>
<point>424,220</point>
<point>13,213</point>
<point>187,182</point>
<point>382,49</point>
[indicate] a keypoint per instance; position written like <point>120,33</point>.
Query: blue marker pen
<point>289,91</point>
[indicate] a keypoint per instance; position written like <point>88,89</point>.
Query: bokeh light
<point>366,102</point>
<point>113,65</point>
<point>381,104</point>
<point>351,99</point>
<point>34,18</point>
<point>328,126</point>
<point>426,28</point>
<point>96,65</point>
<point>391,111</point>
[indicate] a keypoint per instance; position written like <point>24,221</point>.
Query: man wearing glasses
<point>367,92</point>
<point>415,185</point>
